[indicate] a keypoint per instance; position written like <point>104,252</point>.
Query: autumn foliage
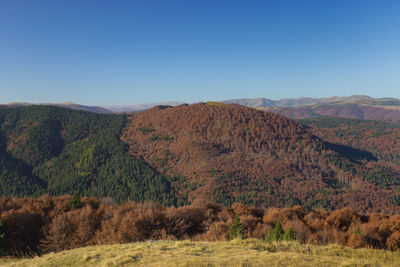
<point>229,153</point>
<point>50,224</point>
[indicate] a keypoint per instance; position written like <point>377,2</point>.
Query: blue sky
<point>127,52</point>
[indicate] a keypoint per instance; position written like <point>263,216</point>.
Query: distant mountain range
<point>387,103</point>
<point>69,105</point>
<point>141,107</point>
<point>356,107</point>
<point>309,101</point>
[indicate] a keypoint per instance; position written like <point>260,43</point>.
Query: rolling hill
<point>345,110</point>
<point>228,153</point>
<point>310,101</point>
<point>356,107</point>
<point>208,151</point>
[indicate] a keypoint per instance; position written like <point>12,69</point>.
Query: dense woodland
<point>381,139</point>
<point>230,153</point>
<point>35,226</point>
<point>60,151</point>
<point>207,151</point>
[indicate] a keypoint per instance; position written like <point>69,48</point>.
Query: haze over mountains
<point>140,107</point>
<point>69,105</point>
<point>356,107</point>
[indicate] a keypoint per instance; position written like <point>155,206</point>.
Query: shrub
<point>237,229</point>
<point>393,242</point>
<point>23,230</point>
<point>185,222</point>
<point>342,219</point>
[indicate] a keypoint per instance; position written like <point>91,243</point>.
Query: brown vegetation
<point>230,153</point>
<point>52,224</point>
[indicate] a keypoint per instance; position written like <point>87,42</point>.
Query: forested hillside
<point>61,151</point>
<point>217,152</point>
<point>231,153</point>
<point>380,138</point>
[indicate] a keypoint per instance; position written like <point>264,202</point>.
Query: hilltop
<point>228,153</point>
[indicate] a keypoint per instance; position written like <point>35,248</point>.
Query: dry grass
<point>214,103</point>
<point>250,252</point>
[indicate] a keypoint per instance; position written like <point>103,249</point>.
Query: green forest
<point>59,151</point>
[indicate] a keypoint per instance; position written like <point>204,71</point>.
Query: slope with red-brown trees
<point>230,153</point>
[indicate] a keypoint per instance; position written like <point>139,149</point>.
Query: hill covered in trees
<point>231,153</point>
<point>59,151</point>
<point>380,138</point>
<point>225,153</point>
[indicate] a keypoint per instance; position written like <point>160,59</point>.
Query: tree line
<point>46,224</point>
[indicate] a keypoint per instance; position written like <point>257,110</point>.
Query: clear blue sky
<point>126,52</point>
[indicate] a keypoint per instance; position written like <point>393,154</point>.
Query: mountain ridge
<point>69,105</point>
<point>275,105</point>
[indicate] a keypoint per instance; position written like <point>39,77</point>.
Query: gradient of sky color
<point>127,52</point>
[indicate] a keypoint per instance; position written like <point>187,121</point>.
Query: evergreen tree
<point>289,235</point>
<point>268,236</point>
<point>237,229</point>
<point>358,231</point>
<point>278,232</point>
<point>2,234</point>
<point>75,202</point>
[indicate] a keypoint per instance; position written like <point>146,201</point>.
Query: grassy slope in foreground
<point>249,252</point>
